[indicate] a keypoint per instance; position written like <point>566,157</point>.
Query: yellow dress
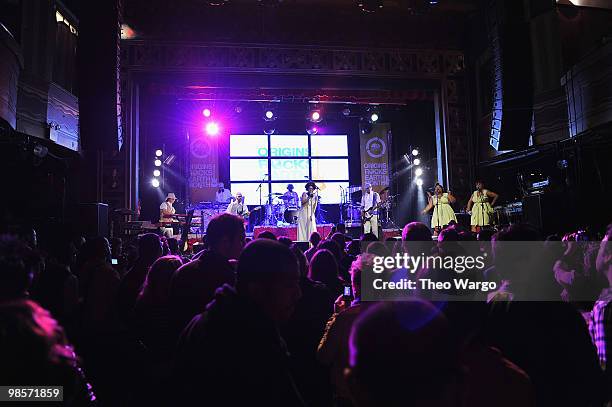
<point>481,210</point>
<point>443,212</point>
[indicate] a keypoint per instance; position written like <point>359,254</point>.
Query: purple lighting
<point>206,112</point>
<point>212,128</point>
<point>315,116</point>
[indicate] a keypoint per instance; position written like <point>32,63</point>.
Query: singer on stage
<point>306,215</point>
<point>482,209</point>
<point>443,212</point>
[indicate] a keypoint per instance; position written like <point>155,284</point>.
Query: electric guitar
<point>246,214</point>
<point>368,213</point>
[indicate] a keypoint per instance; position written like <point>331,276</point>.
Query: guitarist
<point>370,201</point>
<point>237,207</point>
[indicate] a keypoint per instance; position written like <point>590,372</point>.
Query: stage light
<point>312,130</point>
<point>269,114</point>
<point>314,115</point>
<point>212,128</point>
<point>417,161</point>
<point>158,153</point>
<point>346,112</point>
<point>170,159</point>
<point>373,117</point>
<point>418,172</point>
<point>415,152</point>
<point>40,151</point>
<point>206,112</point>
<point>156,173</point>
<point>269,131</point>
<point>155,183</point>
<point>158,163</point>
<point>419,182</point>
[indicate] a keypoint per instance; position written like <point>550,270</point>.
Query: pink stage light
<point>315,116</point>
<point>206,112</point>
<point>212,128</point>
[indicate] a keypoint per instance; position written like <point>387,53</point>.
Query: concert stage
<point>324,230</point>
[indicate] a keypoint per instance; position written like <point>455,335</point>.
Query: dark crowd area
<point>240,322</point>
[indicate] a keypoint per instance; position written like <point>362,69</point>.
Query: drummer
<point>291,198</point>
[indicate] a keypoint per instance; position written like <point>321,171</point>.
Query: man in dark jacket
<point>194,284</point>
<point>232,354</point>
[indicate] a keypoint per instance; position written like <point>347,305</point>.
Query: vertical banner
<point>374,147</point>
<point>203,169</point>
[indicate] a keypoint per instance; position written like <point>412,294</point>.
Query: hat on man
<point>171,196</point>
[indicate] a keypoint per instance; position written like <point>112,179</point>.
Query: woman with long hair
<point>152,319</point>
<point>324,268</point>
<point>35,352</point>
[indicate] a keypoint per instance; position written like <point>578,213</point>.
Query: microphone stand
<point>438,211</point>
<point>482,209</point>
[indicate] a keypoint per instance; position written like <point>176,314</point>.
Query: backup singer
<point>482,209</point>
<point>370,200</point>
<point>166,210</point>
<point>306,215</point>
<point>443,212</point>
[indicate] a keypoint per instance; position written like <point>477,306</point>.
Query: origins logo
<point>200,148</point>
<point>376,147</point>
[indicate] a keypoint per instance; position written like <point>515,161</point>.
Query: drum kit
<point>282,210</point>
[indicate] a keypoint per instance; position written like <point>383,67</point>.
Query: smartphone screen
<point>114,262</point>
<point>347,291</point>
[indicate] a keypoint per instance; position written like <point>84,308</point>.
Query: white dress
<point>306,218</point>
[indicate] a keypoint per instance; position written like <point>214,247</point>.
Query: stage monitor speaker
<point>512,76</point>
<point>92,219</point>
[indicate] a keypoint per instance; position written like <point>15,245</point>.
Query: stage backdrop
<point>374,147</point>
<point>203,169</point>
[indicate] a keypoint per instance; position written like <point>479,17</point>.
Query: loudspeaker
<point>550,213</point>
<point>512,76</point>
<point>92,219</point>
<point>98,67</point>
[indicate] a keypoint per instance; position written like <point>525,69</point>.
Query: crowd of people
<point>266,321</point>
